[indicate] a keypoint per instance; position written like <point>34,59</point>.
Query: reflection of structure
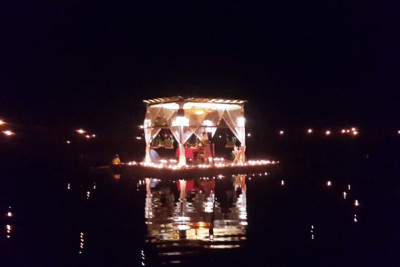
<point>177,231</point>
<point>187,116</point>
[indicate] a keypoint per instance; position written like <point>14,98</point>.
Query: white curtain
<point>156,117</point>
<point>235,121</point>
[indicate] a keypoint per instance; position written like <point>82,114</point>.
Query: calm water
<point>68,216</point>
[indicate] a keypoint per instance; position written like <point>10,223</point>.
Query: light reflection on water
<point>179,229</point>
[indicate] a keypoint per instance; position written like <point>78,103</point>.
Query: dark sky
<point>77,63</point>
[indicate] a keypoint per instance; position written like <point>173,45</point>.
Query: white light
<point>328,132</point>
<point>344,195</point>
<point>2,122</point>
<point>343,130</point>
<point>309,131</point>
<point>249,134</point>
<point>398,132</point>
<point>68,142</point>
<point>349,187</point>
<point>356,203</point>
<point>8,133</point>
<point>180,121</point>
<point>283,182</point>
<point>328,183</point>
<point>69,186</point>
<point>281,132</point>
<point>93,135</point>
<point>183,227</point>
<point>80,131</point>
<point>9,214</point>
<point>355,133</point>
<point>353,129</point>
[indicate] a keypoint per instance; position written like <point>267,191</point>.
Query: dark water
<point>76,216</point>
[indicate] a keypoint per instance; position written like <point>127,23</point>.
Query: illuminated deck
<point>176,172</point>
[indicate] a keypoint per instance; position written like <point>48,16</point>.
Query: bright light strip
<point>180,121</point>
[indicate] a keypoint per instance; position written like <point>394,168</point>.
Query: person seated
<point>155,158</point>
<point>116,160</point>
<point>206,148</point>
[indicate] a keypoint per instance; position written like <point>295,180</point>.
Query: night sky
<point>299,63</point>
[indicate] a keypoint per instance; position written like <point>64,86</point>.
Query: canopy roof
<point>177,99</point>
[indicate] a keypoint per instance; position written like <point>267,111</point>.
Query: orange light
<point>2,122</point>
<point>8,133</point>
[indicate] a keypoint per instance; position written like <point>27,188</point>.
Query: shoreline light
<point>80,131</point>
<point>8,132</point>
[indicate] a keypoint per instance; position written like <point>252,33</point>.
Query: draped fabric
<point>198,118</point>
<point>235,121</point>
<point>156,117</point>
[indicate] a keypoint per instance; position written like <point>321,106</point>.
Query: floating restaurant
<point>185,117</point>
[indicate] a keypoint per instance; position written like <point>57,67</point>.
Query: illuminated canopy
<point>186,116</point>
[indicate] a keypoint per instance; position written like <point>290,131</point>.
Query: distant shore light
<point>80,131</point>
<point>8,133</point>
<point>281,132</point>
<point>309,131</point>
<point>328,132</point>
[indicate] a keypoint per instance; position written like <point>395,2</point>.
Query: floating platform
<point>189,172</point>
